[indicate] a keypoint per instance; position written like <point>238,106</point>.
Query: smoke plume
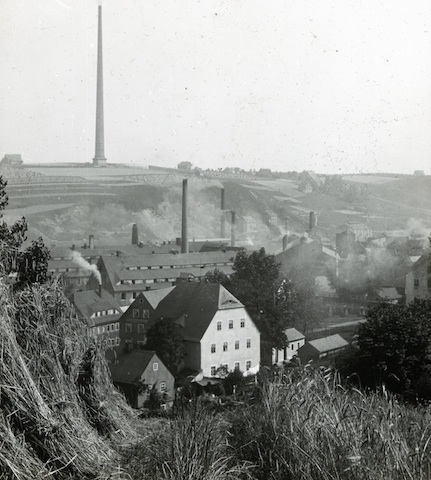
<point>82,263</point>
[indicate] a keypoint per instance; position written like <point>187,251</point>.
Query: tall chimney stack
<point>223,218</point>
<point>285,241</point>
<point>184,237</point>
<point>99,159</point>
<point>90,241</point>
<point>232,229</point>
<point>135,234</point>
<point>312,223</point>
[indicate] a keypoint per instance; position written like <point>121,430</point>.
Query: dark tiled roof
<point>88,302</point>
<point>130,366</point>
<point>198,302</point>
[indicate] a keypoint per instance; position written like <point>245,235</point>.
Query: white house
<point>217,330</point>
<point>295,340</point>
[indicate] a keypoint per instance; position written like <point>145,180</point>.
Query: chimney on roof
<point>232,229</point>
<point>222,219</point>
<point>285,241</point>
<point>184,237</point>
<point>91,241</point>
<point>135,235</point>
<point>100,290</point>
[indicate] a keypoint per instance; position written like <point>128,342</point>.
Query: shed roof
<point>293,335</point>
<point>326,344</point>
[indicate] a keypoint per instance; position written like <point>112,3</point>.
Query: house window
<point>213,370</point>
<point>163,386</point>
<point>134,294</point>
<point>123,296</point>
<point>117,341</point>
<point>218,325</point>
<point>136,313</point>
<point>145,313</point>
<point>117,326</point>
<point>292,347</point>
<point>108,328</point>
<point>141,328</point>
<point>298,345</point>
<point>225,347</point>
<point>213,348</point>
<point>230,324</point>
<point>242,322</point>
<point>237,345</point>
<point>128,328</point>
<point>416,282</point>
<point>155,366</point>
<point>248,342</point>
<point>248,365</point>
<point>237,366</point>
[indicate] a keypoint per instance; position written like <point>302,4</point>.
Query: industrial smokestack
<point>184,237</point>
<point>91,241</point>
<point>223,218</point>
<point>232,229</point>
<point>99,159</point>
<point>312,223</point>
<point>135,234</point>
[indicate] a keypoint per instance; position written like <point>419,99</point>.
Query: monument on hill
<point>99,159</point>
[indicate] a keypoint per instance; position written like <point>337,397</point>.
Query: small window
<point>213,348</point>
<point>134,294</point>
<point>230,324</point>
<point>416,282</point>
<point>145,313</point>
<point>248,365</point>
<point>155,366</point>
<point>248,342</point>
<point>163,386</point>
<point>297,345</point>
<point>117,326</point>
<point>237,345</point>
<point>141,328</point>
<point>292,347</point>
<point>218,325</point>
<point>136,313</point>
<point>225,346</point>
<point>237,366</point>
<point>123,296</point>
<point>117,341</point>
<point>242,322</point>
<point>128,328</point>
<point>213,370</point>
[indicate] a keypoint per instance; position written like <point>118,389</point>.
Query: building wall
<point>192,358</point>
<point>216,337</point>
<point>418,281</point>
<point>287,353</point>
<point>151,377</point>
<point>135,322</point>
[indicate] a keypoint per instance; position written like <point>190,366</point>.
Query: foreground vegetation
<point>301,424</point>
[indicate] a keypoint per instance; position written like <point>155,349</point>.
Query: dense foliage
<point>164,336</point>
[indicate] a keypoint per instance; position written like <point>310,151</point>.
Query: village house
<point>101,313</point>
<point>125,276</point>
<point>295,340</point>
<point>349,235</point>
<point>322,348</point>
<point>216,328</point>
<point>418,280</point>
<point>135,372</point>
<point>138,318</point>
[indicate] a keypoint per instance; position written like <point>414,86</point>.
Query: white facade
<point>231,340</point>
<point>286,354</point>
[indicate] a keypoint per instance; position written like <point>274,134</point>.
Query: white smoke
<point>89,267</point>
<point>416,228</point>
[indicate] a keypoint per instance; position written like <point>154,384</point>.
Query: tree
<point>216,276</point>
<point>255,283</point>
<point>164,336</point>
<point>29,265</point>
<point>395,346</point>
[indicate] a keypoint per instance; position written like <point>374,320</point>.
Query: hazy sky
<point>329,85</point>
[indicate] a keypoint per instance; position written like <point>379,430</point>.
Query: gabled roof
<point>293,335</point>
<point>130,366</point>
<point>88,302</point>
<point>154,297</point>
<point>326,344</point>
<point>197,303</point>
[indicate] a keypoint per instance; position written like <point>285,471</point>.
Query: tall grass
<point>307,426</point>
<point>191,446</point>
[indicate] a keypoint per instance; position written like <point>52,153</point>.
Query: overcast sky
<point>329,85</point>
